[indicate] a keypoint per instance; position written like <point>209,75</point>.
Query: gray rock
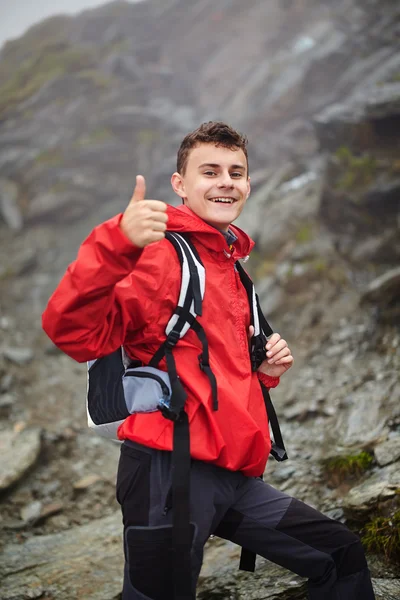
<point>388,452</point>
<point>386,589</point>
<point>365,496</point>
<point>379,487</point>
<point>57,565</point>
<point>369,409</point>
<point>9,209</point>
<point>6,400</point>
<point>19,452</point>
<point>19,356</point>
<point>284,209</point>
<point>344,124</point>
<point>383,289</point>
<point>269,582</point>
<point>6,382</point>
<point>31,511</point>
<point>271,294</point>
<point>382,101</point>
<point>302,410</point>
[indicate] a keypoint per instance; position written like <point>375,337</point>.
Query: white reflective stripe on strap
<point>186,277</point>
<point>200,269</point>
<point>173,320</point>
<point>255,312</point>
<point>185,273</point>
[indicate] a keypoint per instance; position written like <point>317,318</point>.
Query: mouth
<point>222,200</point>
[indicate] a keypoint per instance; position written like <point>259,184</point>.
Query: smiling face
<point>215,184</point>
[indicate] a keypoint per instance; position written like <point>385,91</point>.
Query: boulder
<point>19,451</point>
<point>388,452</point>
<point>9,209</point>
<point>83,562</point>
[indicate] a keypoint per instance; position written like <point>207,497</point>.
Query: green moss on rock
<point>49,158</point>
<point>356,172</point>
<point>96,137</point>
<point>44,64</point>
<point>350,465</point>
<point>305,233</point>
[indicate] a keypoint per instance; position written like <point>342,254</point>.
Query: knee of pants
<point>350,558</point>
<point>149,569</point>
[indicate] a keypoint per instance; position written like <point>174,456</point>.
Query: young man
<point>122,290</point>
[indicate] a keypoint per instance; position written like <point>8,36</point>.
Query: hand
<point>279,358</point>
<point>144,221</point>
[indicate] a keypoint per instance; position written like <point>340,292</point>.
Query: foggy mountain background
<point>89,101</point>
<point>16,17</point>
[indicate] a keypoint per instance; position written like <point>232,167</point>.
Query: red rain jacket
<point>117,294</point>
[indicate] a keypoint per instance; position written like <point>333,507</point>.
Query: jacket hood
<point>183,220</point>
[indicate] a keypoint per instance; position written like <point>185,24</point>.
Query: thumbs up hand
<point>144,221</point>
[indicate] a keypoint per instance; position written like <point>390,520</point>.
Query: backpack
<point>118,387</point>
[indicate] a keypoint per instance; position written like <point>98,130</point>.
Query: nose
<point>225,181</point>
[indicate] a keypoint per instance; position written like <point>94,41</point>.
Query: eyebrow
<point>216,166</point>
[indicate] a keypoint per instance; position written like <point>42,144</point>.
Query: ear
<point>248,188</point>
<point>178,185</point>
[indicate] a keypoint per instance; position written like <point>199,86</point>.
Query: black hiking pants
<point>243,509</point>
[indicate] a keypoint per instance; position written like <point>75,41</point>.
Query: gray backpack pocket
<point>144,388</point>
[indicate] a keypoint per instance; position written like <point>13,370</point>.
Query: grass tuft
<point>382,535</point>
<point>347,466</point>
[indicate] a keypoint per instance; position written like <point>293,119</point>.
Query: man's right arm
<point>89,314</point>
<point>86,316</point>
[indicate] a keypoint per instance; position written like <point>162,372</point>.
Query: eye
<point>236,175</point>
<point>209,172</point>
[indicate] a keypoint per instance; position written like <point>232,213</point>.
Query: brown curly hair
<point>213,132</point>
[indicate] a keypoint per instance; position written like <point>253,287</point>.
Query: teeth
<point>224,200</point>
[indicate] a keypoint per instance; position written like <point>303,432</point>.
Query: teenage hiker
<point>121,291</point>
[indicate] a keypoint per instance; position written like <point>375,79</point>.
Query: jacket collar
<point>183,220</point>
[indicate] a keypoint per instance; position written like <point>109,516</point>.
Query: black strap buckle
<point>202,364</point>
<point>173,338</point>
<point>169,413</point>
<point>258,352</point>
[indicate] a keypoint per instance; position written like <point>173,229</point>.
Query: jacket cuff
<point>120,241</point>
<point>267,380</point>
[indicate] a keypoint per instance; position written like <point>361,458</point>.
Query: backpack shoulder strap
<point>262,330</point>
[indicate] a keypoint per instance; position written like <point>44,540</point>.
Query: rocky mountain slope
<point>86,103</point>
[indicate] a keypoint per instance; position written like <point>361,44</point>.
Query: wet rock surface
<point>19,452</point>
<point>83,562</point>
<point>323,211</point>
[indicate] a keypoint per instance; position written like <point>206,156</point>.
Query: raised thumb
<point>140,189</point>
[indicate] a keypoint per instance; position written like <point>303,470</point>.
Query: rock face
<point>19,452</point>
<point>88,102</point>
<point>85,562</point>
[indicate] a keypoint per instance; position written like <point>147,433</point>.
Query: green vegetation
<point>264,268</point>
<point>382,535</point>
<point>96,78</point>
<point>305,233</point>
<point>50,158</point>
<point>356,171</point>
<point>44,64</point>
<point>320,265</point>
<point>98,136</point>
<point>148,137</point>
<point>346,466</point>
<point>58,188</point>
